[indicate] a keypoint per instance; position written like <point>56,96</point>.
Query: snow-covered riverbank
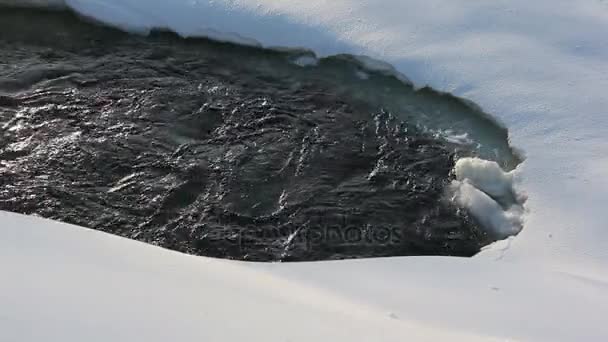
<point>540,68</point>
<point>65,283</point>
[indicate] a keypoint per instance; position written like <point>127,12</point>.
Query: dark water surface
<point>226,151</point>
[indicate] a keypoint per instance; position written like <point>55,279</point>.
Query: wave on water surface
<point>240,152</point>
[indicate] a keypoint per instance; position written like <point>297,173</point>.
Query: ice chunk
<point>487,211</point>
<point>487,192</point>
<point>485,175</point>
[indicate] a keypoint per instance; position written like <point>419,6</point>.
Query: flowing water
<point>229,151</point>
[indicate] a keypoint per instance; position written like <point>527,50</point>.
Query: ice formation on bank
<point>488,193</point>
<point>486,176</point>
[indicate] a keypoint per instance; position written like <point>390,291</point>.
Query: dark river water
<point>226,151</point>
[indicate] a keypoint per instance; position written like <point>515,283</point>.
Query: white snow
<point>64,283</point>
<point>539,67</point>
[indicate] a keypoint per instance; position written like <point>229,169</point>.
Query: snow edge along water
<point>501,219</point>
<point>517,60</point>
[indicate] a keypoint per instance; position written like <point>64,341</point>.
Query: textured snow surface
<point>539,67</point>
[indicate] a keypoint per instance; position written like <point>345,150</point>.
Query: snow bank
<point>65,283</point>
